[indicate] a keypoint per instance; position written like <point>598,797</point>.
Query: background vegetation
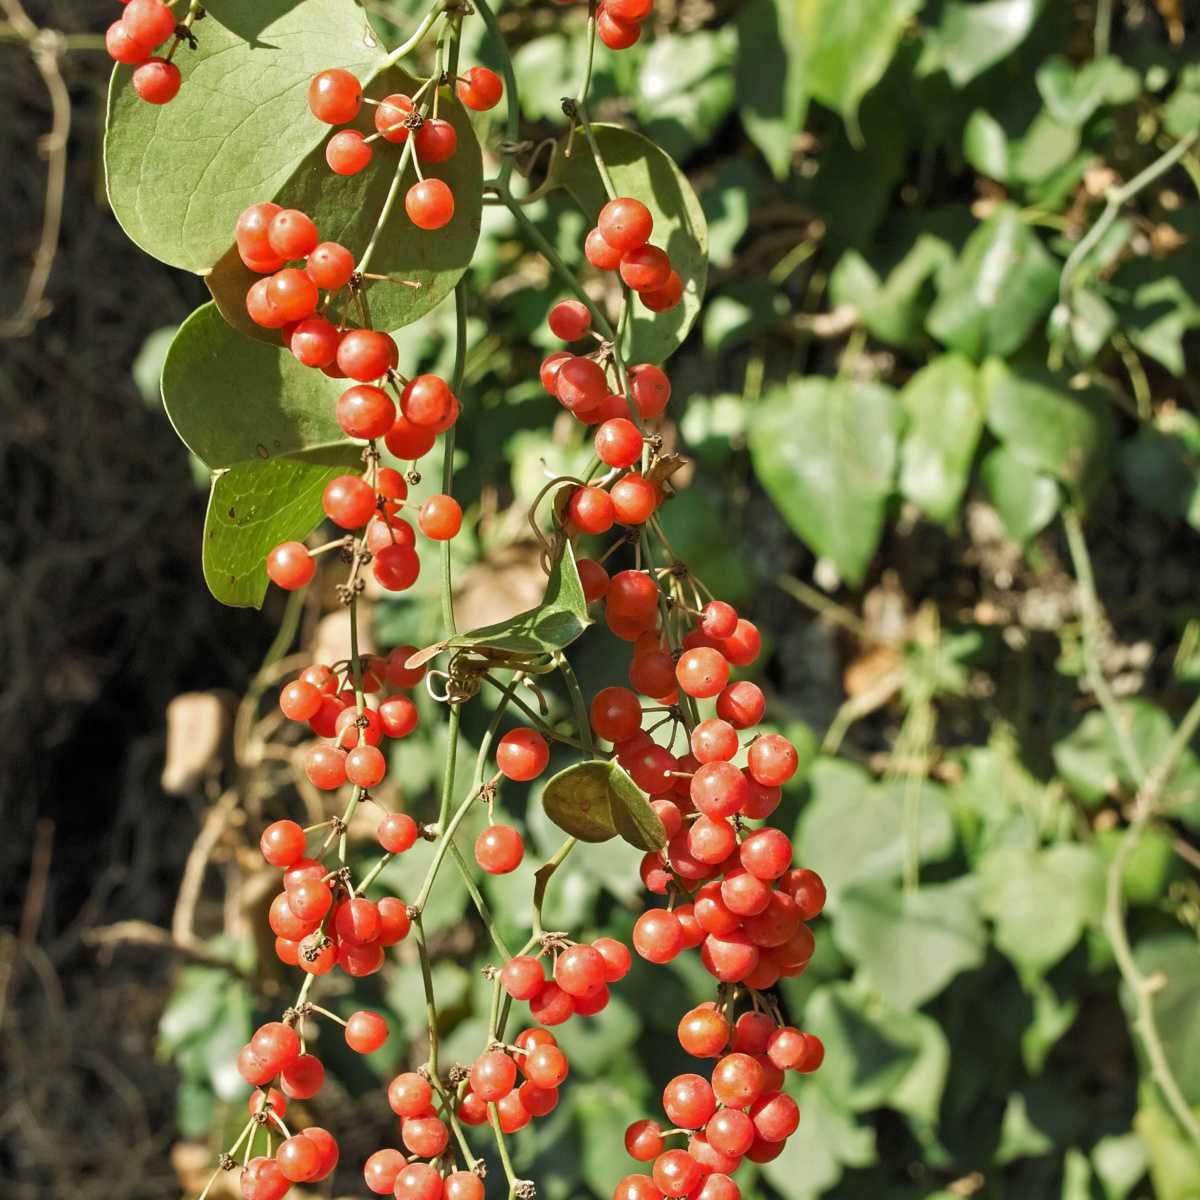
<point>946,453</point>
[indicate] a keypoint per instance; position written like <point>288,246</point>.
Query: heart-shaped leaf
<point>179,174</point>
<point>554,624</point>
<point>640,169</point>
<point>595,801</point>
<point>346,209</point>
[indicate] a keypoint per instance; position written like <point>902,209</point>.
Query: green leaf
<point>1040,901</point>
<point>1160,466</point>
<point>855,828</point>
<point>1170,1152</point>
<point>1181,113</point>
<point>594,801</point>
<point>640,168</point>
<point>1119,1161</point>
<point>1175,957</point>
<point>179,174</point>
<point>825,450</point>
<point>771,72</point>
<point>997,292</point>
<point>972,37</point>
<point>909,945</point>
<point>253,506</point>
<point>1072,96</point>
<point>985,145</point>
<point>346,209</point>
<point>733,191</point>
<point>553,625</point>
<point>1025,498</point>
<point>1049,426</point>
<point>945,419</point>
<point>740,313</point>
<point>850,45</point>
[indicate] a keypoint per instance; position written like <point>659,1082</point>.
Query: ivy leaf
<point>771,72</point>
<point>346,209</point>
<point>972,37</point>
<point>997,292</point>
<point>640,168</point>
<point>1040,901</point>
<point>1049,426</point>
<point>850,45</point>
<point>1025,499</point>
<point>825,450</point>
<point>909,945</point>
<point>553,625</point>
<point>179,174</point>
<point>945,419</point>
<point>594,801</point>
<point>253,506</point>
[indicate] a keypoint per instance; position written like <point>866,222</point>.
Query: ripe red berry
<point>645,269</point>
<point>325,767</point>
<point>314,342</point>
<point>636,1187</point>
<point>366,1032</point>
<point>618,443</point>
<point>365,412</point>
<point>634,499</point>
<point>737,1080</point>
<point>418,1181</point>
<point>330,266</point>
<point>366,354</point>
<point>463,1185</point>
<point>499,849</point>
<point>676,1173</point>
<point>348,501</point>
<point>702,672</point>
<point>703,1032</point>
<point>282,843</point>
<point>427,400</point>
<point>410,1095</point>
<point>381,1169</point>
<point>594,579</point>
<point>396,567</point>
<point>390,114</point>
<point>493,1076</point>
<point>570,320</point>
<point>657,935</point>
<point>299,1159</point>
<point>302,1078</point>
<point>436,141</point>
<point>625,224</point>
<point>276,1045</point>
<point>426,1137</point>
<point>616,714</point>
<point>156,81</point>
<point>522,755</point>
<point>408,441</point>
<point>522,977</point>
<point>292,234</point>
<point>335,96</point>
<point>644,1141</point>
<point>260,307</point>
<point>440,518</point>
<point>772,760</point>
<point>429,204</point>
<point>580,383</point>
<point>665,298</point>
<point>150,22</point>
<point>551,1006</point>
<point>291,294</point>
<point>290,565</point>
<point>599,253</point>
<point>123,47</point>
<point>365,766</point>
<point>480,88</point>
<point>578,970</point>
<point>347,152</point>
<point>616,956</point>
<point>615,33</point>
<point>776,1116</point>
<point>650,389</point>
<point>591,510</point>
<point>743,646</point>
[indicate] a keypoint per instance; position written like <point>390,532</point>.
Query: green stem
<point>512,123</point>
<point>452,732</point>
<point>389,203</point>
<point>431,1016</point>
<point>542,881</point>
<point>419,34</point>
<point>502,1146</point>
<point>456,381</point>
<point>577,701</point>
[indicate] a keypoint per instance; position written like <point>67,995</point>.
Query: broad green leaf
<point>909,945</point>
<point>771,74</point>
<point>740,313</point>
<point>1150,868</point>
<point>1039,1116</point>
<point>1040,901</point>
<point>985,145</point>
<point>179,174</point>
<point>727,202</point>
<point>945,419</point>
<point>1047,146</point>
<point>594,801</point>
<point>973,36</point>
<point>1171,1154</point>
<point>255,505</point>
<point>1025,498</point>
<point>1160,465</point>
<point>1049,426</point>
<point>1181,113</point>
<point>1176,958</point>
<point>997,292</point>
<point>1072,96</point>
<point>347,209</point>
<point>233,400</point>
<point>685,88</point>
<point>640,168</point>
<point>553,625</point>
<point>1160,314</point>
<point>1119,1161</point>
<point>825,450</point>
<point>855,828</point>
<point>850,45</point>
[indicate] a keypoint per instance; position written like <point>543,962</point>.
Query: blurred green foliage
<point>889,345</point>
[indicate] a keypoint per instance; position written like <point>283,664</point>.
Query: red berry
<point>499,849</point>
<point>616,956</point>
<point>737,1080</point>
<point>594,579</point>
<point>702,672</point>
<point>676,1173</point>
<point>426,1137</point>
<point>429,204</point>
<point>493,1076</point>
<point>347,152</point>
<point>271,1101</point>
<point>767,853</point>
<point>366,1032</point>
<point>390,114</point>
<point>776,1116</point>
<point>522,755</point>
<point>366,354</point>
<point>688,1101</point>
<point>156,81</point>
<point>426,400</point>
<point>418,1181</point>
<point>703,1032</point>
<point>436,141</point>
<point>580,383</point>
<point>299,1159</point>
<point>348,501</point>
<point>551,1006</point>
<point>714,740</point>
<point>292,234</point>
<point>657,936</point>
<point>123,47</point>
<point>440,518</point>
<point>772,760</point>
<point>260,307</point>
<point>325,767</point>
<point>550,368</point>
<point>148,21</point>
<point>276,1045</point>
<point>613,32</point>
<point>309,899</point>
<point>625,224</point>
<point>335,96</point>
<point>522,977</point>
<point>291,294</point>
<point>636,1187</point>
<point>381,1169</point>
<point>742,704</point>
<point>463,1185</point>
<point>634,499</point>
<point>644,1141</point>
<point>282,843</point>
<point>314,342</point>
<point>616,714</point>
<point>302,1078</point>
<point>365,766</point>
<point>570,320</point>
<point>591,510</point>
<point>650,389</point>
<point>618,443</point>
<point>743,646</point>
<point>666,297</point>
<point>290,565</point>
<point>330,266</point>
<point>578,970</point>
<point>599,253</point>
<point>480,89</point>
<point>365,411</point>
<point>408,441</point>
<point>410,1095</point>
<point>394,921</point>
<point>645,269</point>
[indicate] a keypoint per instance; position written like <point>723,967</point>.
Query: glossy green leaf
<point>640,168</point>
<point>1041,900</point>
<point>347,210</point>
<point>945,419</point>
<point>595,801</point>
<point>771,75</point>
<point>910,944</point>
<point>985,145</point>
<point>973,36</point>
<point>1002,285</point>
<point>179,174</point>
<point>1050,426</point>
<point>825,450</point>
<point>1072,96</point>
<point>1181,113</point>
<point>850,45</point>
<point>255,505</point>
<point>1025,499</point>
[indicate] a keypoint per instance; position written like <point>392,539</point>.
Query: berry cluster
<point>621,242</point>
<point>132,39</point>
<point>619,22</point>
<point>578,983</point>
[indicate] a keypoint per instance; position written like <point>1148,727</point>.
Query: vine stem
<point>1146,806</point>
<point>456,381</point>
<point>577,701</point>
<point>418,34</point>
<point>512,122</point>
